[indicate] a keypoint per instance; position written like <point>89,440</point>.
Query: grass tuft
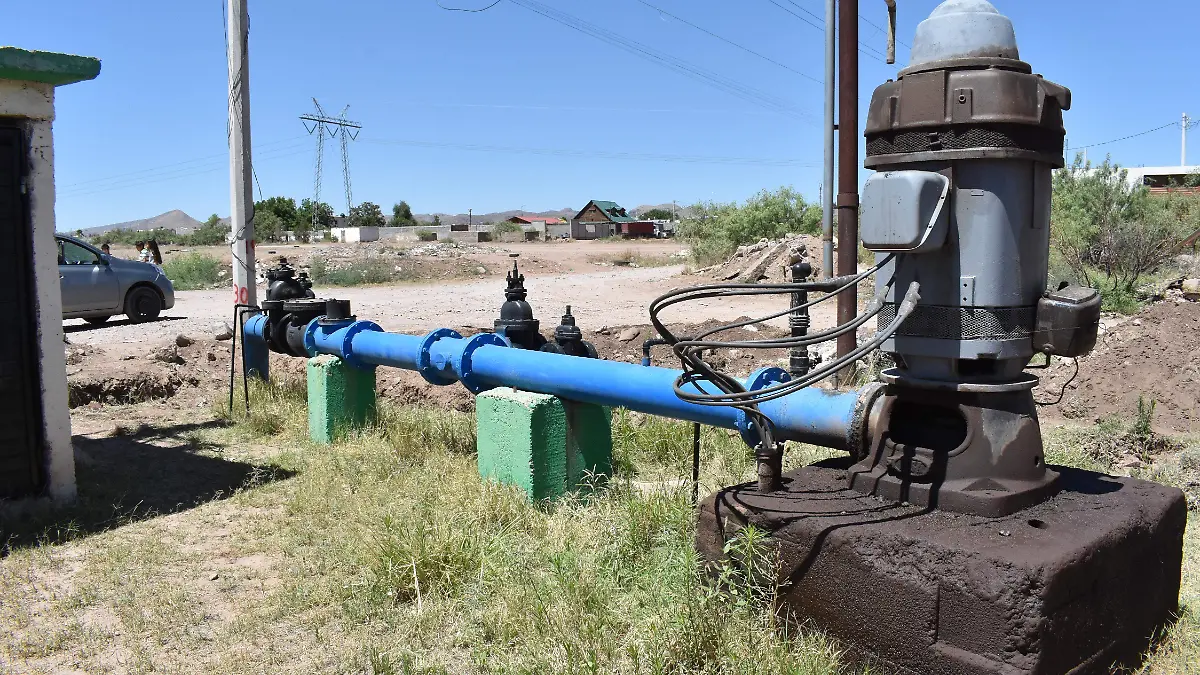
<point>193,271</point>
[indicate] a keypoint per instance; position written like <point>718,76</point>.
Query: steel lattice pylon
<point>336,127</point>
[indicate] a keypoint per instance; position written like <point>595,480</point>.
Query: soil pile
<point>767,260</point>
<point>1155,354</point>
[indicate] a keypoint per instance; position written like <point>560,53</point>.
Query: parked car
<point>96,286</point>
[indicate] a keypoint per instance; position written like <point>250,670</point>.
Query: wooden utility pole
<point>241,196</point>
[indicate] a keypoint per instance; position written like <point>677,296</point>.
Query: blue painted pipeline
<point>485,361</point>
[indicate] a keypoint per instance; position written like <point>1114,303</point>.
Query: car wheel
<point>142,304</point>
<point>96,320</point>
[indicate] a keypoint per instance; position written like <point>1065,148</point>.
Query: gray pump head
<point>964,29</point>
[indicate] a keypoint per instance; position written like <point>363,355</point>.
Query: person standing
<point>104,248</point>
<point>143,251</point>
<point>155,253</point>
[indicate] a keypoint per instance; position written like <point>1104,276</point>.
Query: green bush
<point>193,271</point>
<point>716,229</point>
<point>359,272</point>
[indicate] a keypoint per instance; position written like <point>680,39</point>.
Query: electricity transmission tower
<point>337,127</point>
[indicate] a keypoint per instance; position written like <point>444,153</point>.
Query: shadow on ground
<point>84,327</point>
<point>150,472</point>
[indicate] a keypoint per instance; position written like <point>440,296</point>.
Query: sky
<point>508,109</point>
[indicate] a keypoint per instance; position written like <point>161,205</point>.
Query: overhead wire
<point>728,85</point>
<point>731,42</point>
<point>863,48</point>
<point>1123,138</point>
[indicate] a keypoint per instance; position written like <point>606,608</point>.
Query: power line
<point>730,42</point>
<point>728,85</point>
<point>204,159</point>
<point>466,9</point>
<point>1123,138</point>
<point>593,154</point>
<point>873,53</point>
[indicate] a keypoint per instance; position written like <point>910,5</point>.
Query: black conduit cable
<point>239,312</point>
<point>731,391</point>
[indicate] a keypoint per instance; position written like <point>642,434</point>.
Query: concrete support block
<point>540,443</point>
<point>1073,585</point>
<point>340,397</point>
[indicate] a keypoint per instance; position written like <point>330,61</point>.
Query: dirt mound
<point>767,260</point>
<point>1156,355</point>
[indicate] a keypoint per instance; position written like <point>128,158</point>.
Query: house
<point>1161,179</point>
<point>547,227</point>
<point>355,235</point>
<point>608,219</point>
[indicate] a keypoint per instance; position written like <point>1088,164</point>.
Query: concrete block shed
<point>36,457</point>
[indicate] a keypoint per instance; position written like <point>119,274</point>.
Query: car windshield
<point>70,253</point>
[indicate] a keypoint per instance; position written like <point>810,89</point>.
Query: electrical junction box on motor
<point>1068,321</point>
<point>905,211</point>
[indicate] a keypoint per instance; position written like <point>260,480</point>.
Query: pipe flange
<point>310,333</point>
<point>462,361</point>
<point>347,340</point>
<point>759,379</point>
<point>425,367</point>
<point>858,438</point>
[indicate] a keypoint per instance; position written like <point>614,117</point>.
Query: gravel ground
<point>613,297</point>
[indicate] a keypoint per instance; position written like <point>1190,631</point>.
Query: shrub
<point>716,229</point>
<point>192,271</point>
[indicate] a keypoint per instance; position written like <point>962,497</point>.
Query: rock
<point>1191,289</point>
<point>167,355</point>
<point>222,330</point>
<point>603,330</point>
<point>211,357</point>
<point>481,270</point>
<point>756,270</point>
<point>1130,463</point>
<point>1137,322</point>
<point>629,334</point>
<point>182,340</point>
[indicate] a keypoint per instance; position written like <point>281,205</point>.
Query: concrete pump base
<point>1070,585</point>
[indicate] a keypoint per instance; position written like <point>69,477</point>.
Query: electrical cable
<point>731,42</point>
<point>702,384</point>
<point>877,55</point>
<point>1062,392</point>
<point>728,85</point>
<point>1123,138</point>
<point>466,9</point>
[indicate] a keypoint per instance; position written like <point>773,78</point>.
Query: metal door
<point>20,377</point>
<point>86,280</point>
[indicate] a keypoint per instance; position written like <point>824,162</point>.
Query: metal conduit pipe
<point>821,417</point>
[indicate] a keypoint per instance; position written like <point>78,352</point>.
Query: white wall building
<point>36,454</point>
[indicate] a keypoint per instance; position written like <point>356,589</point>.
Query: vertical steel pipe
<point>847,200</point>
<point>827,186</point>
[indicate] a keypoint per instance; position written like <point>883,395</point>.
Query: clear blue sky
<point>148,135</point>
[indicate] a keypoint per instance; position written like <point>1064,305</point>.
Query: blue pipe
<point>485,361</point>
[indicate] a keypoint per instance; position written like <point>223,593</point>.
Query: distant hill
<point>176,220</point>
<point>459,218</point>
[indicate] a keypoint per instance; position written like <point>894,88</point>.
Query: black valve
<point>283,283</point>
<point>516,320</point>
<point>568,339</point>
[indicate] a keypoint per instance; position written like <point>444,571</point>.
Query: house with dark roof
<point>608,219</point>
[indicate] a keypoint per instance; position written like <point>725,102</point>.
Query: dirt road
<point>613,297</point>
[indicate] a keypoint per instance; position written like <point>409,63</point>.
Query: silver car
<point>96,286</point>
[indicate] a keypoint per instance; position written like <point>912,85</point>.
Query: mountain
<point>459,218</point>
<point>176,220</point>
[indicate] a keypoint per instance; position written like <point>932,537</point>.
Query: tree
<point>212,232</point>
<point>1111,234</point>
<point>284,207</point>
<point>324,213</point>
<point>366,214</point>
<point>267,225</point>
<point>402,215</point>
<point>658,214</point>
<point>437,220</point>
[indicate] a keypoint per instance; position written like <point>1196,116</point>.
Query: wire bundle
<point>690,386</point>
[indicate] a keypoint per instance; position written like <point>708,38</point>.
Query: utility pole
<point>827,188</point>
<point>470,220</point>
<point>847,187</point>
<point>241,198</point>
<point>1183,146</point>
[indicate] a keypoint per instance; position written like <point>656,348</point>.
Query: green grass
<point>635,258</point>
<point>393,556</point>
<point>193,271</point>
<point>360,272</point>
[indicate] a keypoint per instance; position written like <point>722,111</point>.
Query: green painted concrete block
<point>340,397</point>
<point>540,443</point>
<point>589,443</point>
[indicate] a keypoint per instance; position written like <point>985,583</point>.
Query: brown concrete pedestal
<point>1070,585</point>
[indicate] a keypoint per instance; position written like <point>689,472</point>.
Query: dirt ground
<point>1155,355</point>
